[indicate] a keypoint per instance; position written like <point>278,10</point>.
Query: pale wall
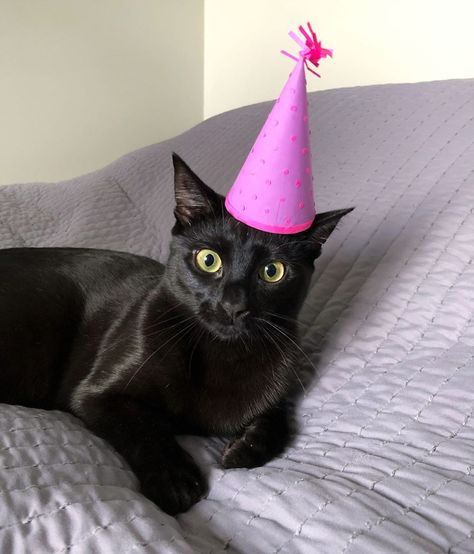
<point>85,81</point>
<point>374,41</point>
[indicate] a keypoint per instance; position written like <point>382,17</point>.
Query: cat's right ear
<point>194,199</point>
<point>323,225</point>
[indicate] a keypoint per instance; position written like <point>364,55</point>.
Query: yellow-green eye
<point>272,272</point>
<point>208,260</point>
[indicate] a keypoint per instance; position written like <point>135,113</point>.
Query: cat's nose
<point>234,302</point>
<point>235,311</point>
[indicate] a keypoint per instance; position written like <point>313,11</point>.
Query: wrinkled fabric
<point>384,455</point>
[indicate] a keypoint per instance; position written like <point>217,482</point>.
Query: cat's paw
<point>176,486</point>
<point>243,452</point>
<point>263,439</point>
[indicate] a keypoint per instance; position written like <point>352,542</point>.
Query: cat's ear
<point>194,199</point>
<point>323,225</point>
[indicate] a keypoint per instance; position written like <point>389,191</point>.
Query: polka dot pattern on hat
<point>276,178</point>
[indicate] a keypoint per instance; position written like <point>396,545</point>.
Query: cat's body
<point>142,352</point>
<point>104,311</point>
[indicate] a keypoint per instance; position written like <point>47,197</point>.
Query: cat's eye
<point>208,260</point>
<point>272,272</point>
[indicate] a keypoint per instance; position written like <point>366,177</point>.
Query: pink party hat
<point>274,189</point>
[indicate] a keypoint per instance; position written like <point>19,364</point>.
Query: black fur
<point>142,352</point>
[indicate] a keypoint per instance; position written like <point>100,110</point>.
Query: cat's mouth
<point>224,327</point>
<point>227,332</point>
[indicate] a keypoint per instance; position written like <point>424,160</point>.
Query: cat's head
<point>236,279</point>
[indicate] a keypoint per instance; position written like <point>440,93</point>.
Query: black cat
<point>141,352</point>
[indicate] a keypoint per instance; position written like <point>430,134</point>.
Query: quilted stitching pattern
<point>384,458</point>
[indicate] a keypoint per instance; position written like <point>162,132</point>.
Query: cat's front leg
<point>263,439</point>
<point>167,474</point>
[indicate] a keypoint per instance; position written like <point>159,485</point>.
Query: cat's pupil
<point>271,270</point>
<point>209,260</point>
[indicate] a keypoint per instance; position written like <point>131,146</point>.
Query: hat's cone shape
<point>274,190</point>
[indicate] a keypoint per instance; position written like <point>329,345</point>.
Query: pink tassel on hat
<point>274,189</point>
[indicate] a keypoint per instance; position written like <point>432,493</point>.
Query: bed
<point>384,454</point>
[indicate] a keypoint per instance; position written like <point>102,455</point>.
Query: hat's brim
<point>264,226</point>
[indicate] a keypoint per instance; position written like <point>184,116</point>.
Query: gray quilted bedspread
<point>384,457</point>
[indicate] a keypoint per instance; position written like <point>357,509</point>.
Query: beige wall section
<point>374,41</point>
<point>83,82</point>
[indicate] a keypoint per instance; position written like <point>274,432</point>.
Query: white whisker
<point>280,330</point>
<point>155,352</point>
<point>282,353</point>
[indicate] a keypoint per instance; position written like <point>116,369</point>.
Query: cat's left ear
<point>194,199</point>
<point>323,225</point>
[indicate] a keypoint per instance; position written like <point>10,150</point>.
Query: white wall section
<point>374,41</point>
<point>82,83</point>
